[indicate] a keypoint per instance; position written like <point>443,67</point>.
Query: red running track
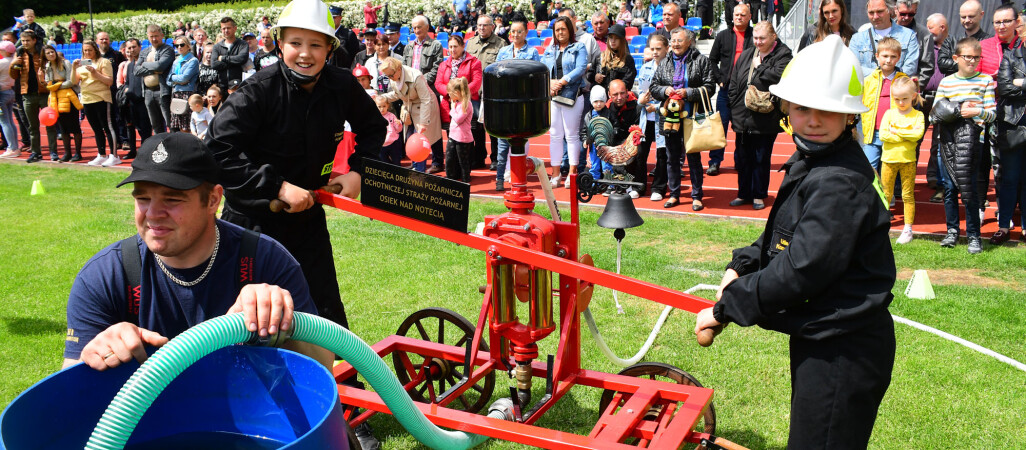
<point>719,190</point>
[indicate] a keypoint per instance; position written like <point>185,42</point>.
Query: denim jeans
<point>1013,166</point>
<point>503,159</point>
<point>873,151</point>
<point>674,150</point>
<point>10,130</point>
<point>723,107</point>
<point>969,199</point>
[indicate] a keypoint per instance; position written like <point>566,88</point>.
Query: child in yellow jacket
<point>900,130</point>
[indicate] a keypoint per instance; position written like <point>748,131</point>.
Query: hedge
<point>133,23</point>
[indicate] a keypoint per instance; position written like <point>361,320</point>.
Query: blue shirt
<point>525,52</point>
<point>461,5</point>
<point>99,295</point>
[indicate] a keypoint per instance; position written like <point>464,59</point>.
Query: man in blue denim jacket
<point>881,17</point>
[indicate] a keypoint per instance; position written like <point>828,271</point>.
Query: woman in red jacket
<point>459,64</point>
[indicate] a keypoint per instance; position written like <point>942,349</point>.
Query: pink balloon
<point>47,116</point>
<point>417,147</point>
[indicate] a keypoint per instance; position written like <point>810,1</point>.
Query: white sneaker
<point>554,181</point>
<point>7,154</point>
<point>633,193</point>
<point>506,177</point>
<point>656,197</point>
<point>111,161</point>
<point>566,184</point>
<point>983,214</point>
<point>98,160</point>
<point>906,237</point>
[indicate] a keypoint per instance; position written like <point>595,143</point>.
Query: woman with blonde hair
<point>420,106</point>
<point>95,75</point>
<point>183,79</point>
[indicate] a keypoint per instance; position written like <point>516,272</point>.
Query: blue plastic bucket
<point>236,397</point>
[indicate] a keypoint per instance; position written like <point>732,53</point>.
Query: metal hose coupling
<point>502,409</point>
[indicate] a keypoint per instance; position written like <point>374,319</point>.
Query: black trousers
<point>674,150</point>
<point>306,237</point>
<point>459,161</point>
<point>837,385</point>
<point>136,119</point>
<point>639,167</point>
<point>752,159</point>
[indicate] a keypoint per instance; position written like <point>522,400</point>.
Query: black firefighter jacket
<point>823,266</point>
<point>271,131</point>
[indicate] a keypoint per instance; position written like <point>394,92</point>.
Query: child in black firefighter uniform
<point>276,138</point>
<point>823,270</point>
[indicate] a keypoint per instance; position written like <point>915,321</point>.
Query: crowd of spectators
<point>177,85</point>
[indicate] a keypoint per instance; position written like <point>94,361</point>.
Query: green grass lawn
<point>942,394</point>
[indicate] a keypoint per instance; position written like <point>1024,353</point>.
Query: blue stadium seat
<point>545,33</point>
<point>404,29</point>
<point>443,36</point>
<point>534,41</point>
<point>532,33</point>
<point>639,61</point>
<point>647,31</point>
<point>444,42</point>
<point>639,40</point>
<point>637,48</point>
<point>694,24</point>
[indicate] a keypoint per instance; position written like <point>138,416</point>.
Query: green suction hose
<point>135,397</point>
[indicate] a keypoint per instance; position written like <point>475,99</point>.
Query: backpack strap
<point>131,262</point>
<point>247,253</point>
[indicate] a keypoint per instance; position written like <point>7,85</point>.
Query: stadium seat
<point>532,33</point>
<point>647,31</point>
<point>404,29</point>
<point>545,33</point>
<point>548,41</point>
<point>637,48</point>
<point>444,42</point>
<point>631,31</point>
<point>469,35</point>
<point>534,42</point>
<point>530,25</point>
<point>639,40</point>
<point>694,24</point>
<point>541,49</point>
<point>443,36</point>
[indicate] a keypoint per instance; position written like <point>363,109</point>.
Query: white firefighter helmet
<point>309,15</point>
<point>825,76</point>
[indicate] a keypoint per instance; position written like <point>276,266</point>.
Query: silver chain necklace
<point>217,244</point>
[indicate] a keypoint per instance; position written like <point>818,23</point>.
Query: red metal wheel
<point>660,372</point>
<point>433,375</point>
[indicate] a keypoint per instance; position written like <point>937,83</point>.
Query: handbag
<point>756,100</point>
<point>706,131</point>
<point>565,101</point>
<point>179,106</point>
<point>1012,137</point>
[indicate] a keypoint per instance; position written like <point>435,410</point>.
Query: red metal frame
<point>526,239</point>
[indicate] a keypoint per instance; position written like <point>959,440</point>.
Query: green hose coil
<point>145,385</point>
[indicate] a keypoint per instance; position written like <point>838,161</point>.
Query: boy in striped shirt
<point>974,92</point>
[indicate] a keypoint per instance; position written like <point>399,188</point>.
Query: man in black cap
<point>392,31</point>
<point>367,47</point>
<point>184,267</point>
<point>345,54</point>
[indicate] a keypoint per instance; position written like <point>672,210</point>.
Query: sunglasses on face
<point>181,45</point>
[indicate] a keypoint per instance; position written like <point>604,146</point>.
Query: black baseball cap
<point>176,160</point>
<point>618,30</point>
